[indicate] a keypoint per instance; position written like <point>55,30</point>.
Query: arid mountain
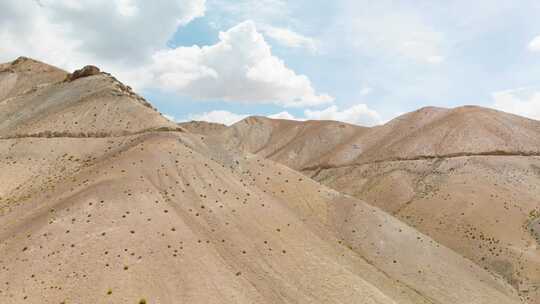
<point>293,143</point>
<point>437,132</point>
<point>123,207</point>
<point>24,74</point>
<point>468,177</point>
<point>38,98</point>
<point>426,133</point>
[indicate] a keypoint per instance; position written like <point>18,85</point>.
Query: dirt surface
<point>468,177</point>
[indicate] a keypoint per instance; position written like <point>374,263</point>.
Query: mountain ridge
<point>424,159</point>
<point>147,211</point>
<point>53,103</point>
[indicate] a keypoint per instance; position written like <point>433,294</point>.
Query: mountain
<point>437,132</point>
<point>126,207</point>
<point>426,133</point>
<point>25,74</point>
<point>468,177</point>
<point>293,143</point>
<point>38,98</point>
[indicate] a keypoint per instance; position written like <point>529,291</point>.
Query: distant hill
<point>469,177</point>
<point>293,143</point>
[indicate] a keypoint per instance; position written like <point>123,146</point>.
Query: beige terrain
<point>103,200</point>
<point>468,177</point>
<point>37,98</point>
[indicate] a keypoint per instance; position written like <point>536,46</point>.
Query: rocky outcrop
<point>87,71</point>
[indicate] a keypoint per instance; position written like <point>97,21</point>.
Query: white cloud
<point>435,59</point>
<point>534,45</point>
<point>229,118</point>
<point>390,29</point>
<point>128,38</point>
<point>169,117</point>
<point>219,116</point>
<point>290,38</point>
<point>240,67</point>
<point>127,8</point>
<point>102,32</point>
<point>522,101</point>
<point>359,114</point>
<point>261,11</point>
<point>365,91</point>
<point>284,115</point>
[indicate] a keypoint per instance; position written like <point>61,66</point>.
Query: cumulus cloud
<point>534,45</point>
<point>128,38</point>
<point>435,59</point>
<point>103,32</point>
<point>169,117</point>
<point>365,91</point>
<point>284,115</point>
<point>218,116</point>
<point>387,28</point>
<point>290,38</point>
<point>262,11</point>
<point>359,114</point>
<point>522,101</point>
<point>229,118</point>
<point>240,67</point>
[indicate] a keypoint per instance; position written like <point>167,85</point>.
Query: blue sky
<point>358,61</point>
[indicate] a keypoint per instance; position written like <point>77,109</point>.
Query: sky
<point>358,61</point>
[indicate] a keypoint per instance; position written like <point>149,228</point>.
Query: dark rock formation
<point>87,71</point>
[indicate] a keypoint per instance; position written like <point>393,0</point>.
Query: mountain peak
<point>25,75</point>
<point>29,65</point>
<point>23,59</point>
<point>37,98</point>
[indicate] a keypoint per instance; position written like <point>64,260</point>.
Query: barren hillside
<point>295,144</point>
<point>42,99</point>
<point>468,177</point>
<point>116,205</point>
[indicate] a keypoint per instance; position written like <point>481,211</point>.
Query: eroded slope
<point>158,219</point>
<point>97,105</point>
<point>104,200</point>
<point>293,143</point>
<point>468,177</point>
